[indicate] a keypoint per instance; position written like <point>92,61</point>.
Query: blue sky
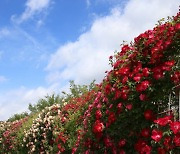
<point>27,44</point>
<point>46,43</point>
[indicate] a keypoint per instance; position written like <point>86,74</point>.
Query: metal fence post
<point>169,104</point>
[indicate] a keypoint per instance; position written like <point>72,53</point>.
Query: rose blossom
<point>98,114</point>
<point>143,86</point>
<point>175,127</point>
<point>122,143</point>
<point>98,127</point>
<point>176,140</point>
<point>163,121</point>
<point>156,135</point>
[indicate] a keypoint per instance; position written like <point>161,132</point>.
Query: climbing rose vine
<point>126,113</point>
<point>124,117</point>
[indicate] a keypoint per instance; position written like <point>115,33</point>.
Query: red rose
<point>124,70</point>
<point>98,114</point>
<point>111,118</point>
<point>176,140</point>
<point>175,127</point>
<point>176,77</point>
<point>148,114</point>
<point>167,43</point>
<point>163,121</point>
<point>120,105</point>
<point>146,149</point>
<point>146,71</point>
<point>155,50</point>
<point>161,151</point>
<point>108,89</point>
<point>124,80</point>
<point>117,94</point>
<point>61,149</point>
<point>124,49</point>
<point>122,151</point>
<point>124,96</point>
<point>137,77</point>
<point>87,152</point>
<point>145,132</point>
<point>167,141</point>
<point>140,143</point>
<point>116,65</point>
<point>129,106</point>
<point>143,97</point>
<point>158,73</point>
<point>156,57</point>
<point>108,142</point>
<point>137,68</point>
<point>98,127</point>
<point>143,86</point>
<point>122,143</point>
<point>177,26</point>
<point>168,65</point>
<point>156,135</point>
<point>142,147</point>
<point>120,108</point>
<point>114,149</point>
<point>124,92</point>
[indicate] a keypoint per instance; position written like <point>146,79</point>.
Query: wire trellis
<point>173,103</point>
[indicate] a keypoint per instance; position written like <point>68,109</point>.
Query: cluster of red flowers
<point>74,104</point>
<point>128,95</point>
<point>61,139</point>
<point>8,136</point>
<point>169,142</point>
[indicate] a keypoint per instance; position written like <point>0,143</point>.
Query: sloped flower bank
<point>126,113</point>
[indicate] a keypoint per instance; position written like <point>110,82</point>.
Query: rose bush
<point>133,93</point>
<point>128,112</point>
<point>8,135</point>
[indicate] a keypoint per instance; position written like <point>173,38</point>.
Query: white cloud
<point>2,79</point>
<point>4,32</point>
<point>32,7</point>
<point>1,54</point>
<point>40,23</point>
<point>87,58</point>
<point>16,101</point>
<point>88,3</point>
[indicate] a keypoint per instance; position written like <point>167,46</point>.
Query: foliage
<point>75,91</point>
<point>17,117</point>
<point>43,103</point>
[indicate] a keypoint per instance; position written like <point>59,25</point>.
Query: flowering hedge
<point>8,135</point>
<point>122,114</point>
